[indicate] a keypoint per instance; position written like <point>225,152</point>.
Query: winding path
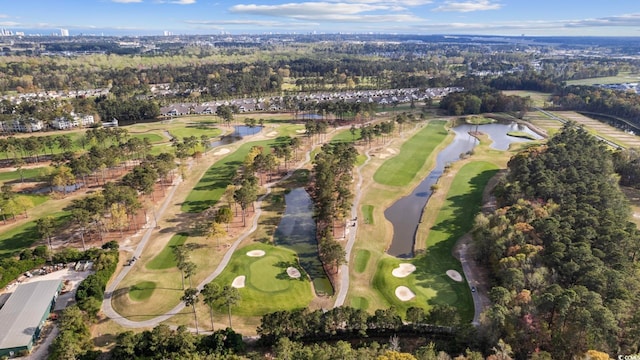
<point>344,269</point>
<point>108,309</point>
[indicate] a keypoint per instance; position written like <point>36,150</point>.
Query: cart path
<point>344,269</point>
<point>108,309</point>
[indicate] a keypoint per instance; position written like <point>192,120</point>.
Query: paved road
<point>344,269</point>
<point>106,304</point>
<point>107,309</point>
<point>480,297</point>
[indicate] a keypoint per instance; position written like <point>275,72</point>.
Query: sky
<point>486,17</point>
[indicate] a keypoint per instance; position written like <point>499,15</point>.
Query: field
<point>608,132</point>
<point>266,278</point>
<point>21,237</point>
<point>621,78</point>
<point>214,182</point>
<point>404,167</point>
<point>538,99</point>
<point>166,259</point>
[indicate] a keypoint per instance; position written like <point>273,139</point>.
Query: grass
<point>215,181</point>
<point>165,259</point>
<point>361,260</point>
<point>429,282</point>
<point>538,99</point>
<point>142,290</point>
<point>267,288</point>
<point>153,137</point>
<point>345,136</point>
<point>521,134</point>
<point>478,120</point>
<point>367,214</point>
<point>24,236</point>
<point>30,174</point>
<point>359,302</point>
<point>623,77</point>
<point>197,130</point>
<point>401,169</point>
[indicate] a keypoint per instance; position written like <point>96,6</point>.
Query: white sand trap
<point>404,293</point>
<point>301,131</point>
<point>272,134</point>
<point>392,151</point>
<point>222,152</point>
<point>293,272</point>
<point>403,270</point>
<point>238,282</point>
<point>454,275</point>
<point>255,253</point>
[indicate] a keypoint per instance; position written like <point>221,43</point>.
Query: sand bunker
<point>222,152</point>
<point>238,282</point>
<point>293,272</point>
<point>301,131</point>
<point>272,134</point>
<point>404,293</point>
<point>403,270</point>
<point>255,253</point>
<point>387,154</point>
<point>454,275</point>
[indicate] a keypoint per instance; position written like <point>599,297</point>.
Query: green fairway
<point>25,235</point>
<point>197,130</point>
<point>142,290</point>
<point>165,259</point>
<point>359,302</point>
<point>401,169</point>
<point>429,282</point>
<point>214,182</point>
<point>267,287</point>
<point>27,174</point>
<point>361,260</point>
<point>153,137</point>
<point>345,136</point>
<point>623,77</point>
<point>367,214</point>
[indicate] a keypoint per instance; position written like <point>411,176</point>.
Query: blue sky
<point>491,17</point>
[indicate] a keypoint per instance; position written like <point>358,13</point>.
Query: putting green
<point>264,272</point>
<point>267,288</point>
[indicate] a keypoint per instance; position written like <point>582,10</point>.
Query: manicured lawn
<point>367,214</point>
<point>623,77</point>
<point>478,120</point>
<point>267,288</point>
<point>153,137</point>
<point>359,302</point>
<point>521,134</point>
<point>25,235</point>
<point>345,136</point>
<point>401,169</point>
<point>165,259</point>
<point>197,130</point>
<point>361,260</point>
<point>214,182</point>
<point>455,218</point>
<point>31,174</point>
<point>142,290</point>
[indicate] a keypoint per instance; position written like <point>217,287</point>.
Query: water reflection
<point>405,214</point>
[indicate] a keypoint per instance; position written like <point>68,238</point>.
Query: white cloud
<point>468,6</point>
<point>9,23</point>
<point>240,22</point>
<point>126,1</point>
<point>183,2</point>
<point>307,9</point>
<point>620,20</point>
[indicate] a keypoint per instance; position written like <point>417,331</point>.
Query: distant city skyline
<point>480,17</point>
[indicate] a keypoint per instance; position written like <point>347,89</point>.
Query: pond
<point>297,231</point>
<point>405,214</point>
<point>237,134</point>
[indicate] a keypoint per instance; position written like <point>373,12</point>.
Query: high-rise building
<point>64,32</point>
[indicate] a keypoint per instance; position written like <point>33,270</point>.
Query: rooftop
<point>21,314</point>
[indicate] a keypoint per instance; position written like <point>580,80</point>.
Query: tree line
<point>562,253</point>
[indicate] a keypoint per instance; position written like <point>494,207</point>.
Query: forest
<point>562,253</point>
